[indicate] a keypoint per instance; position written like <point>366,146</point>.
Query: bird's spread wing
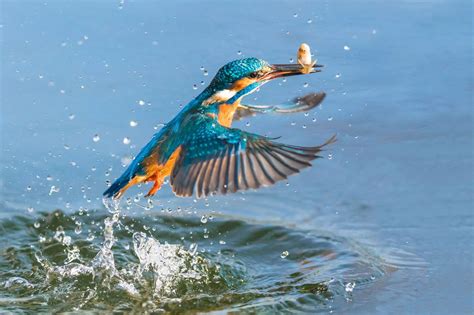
<point>216,159</point>
<point>298,104</point>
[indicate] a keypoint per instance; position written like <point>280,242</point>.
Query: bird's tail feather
<point>118,185</point>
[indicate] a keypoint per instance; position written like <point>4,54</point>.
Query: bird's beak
<point>285,70</point>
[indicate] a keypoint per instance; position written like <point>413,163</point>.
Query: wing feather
<point>242,174</point>
<point>217,159</point>
<point>202,179</point>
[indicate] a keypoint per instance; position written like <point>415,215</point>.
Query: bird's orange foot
<point>155,188</point>
<point>134,181</point>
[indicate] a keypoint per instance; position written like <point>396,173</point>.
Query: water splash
<point>174,264</point>
<point>169,264</point>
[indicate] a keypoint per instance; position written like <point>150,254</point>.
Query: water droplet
<point>306,84</point>
<point>126,140</point>
<point>206,73</point>
<point>247,124</point>
<point>204,219</point>
<point>71,116</point>
<point>53,190</point>
<point>309,21</point>
<point>374,31</point>
<point>222,242</point>
<point>293,123</point>
<point>291,60</point>
<point>239,52</point>
<point>150,203</point>
<point>193,248</point>
<point>133,123</point>
<point>96,138</point>
<point>330,118</point>
<point>66,147</point>
<point>49,178</point>
<point>36,225</point>
<point>350,286</point>
<point>30,209</point>
<point>284,254</point>
<point>304,126</point>
<point>329,156</point>
<point>195,87</point>
<point>295,15</point>
<point>78,229</point>
<point>141,102</point>
<point>346,48</point>
<point>338,75</point>
<point>28,188</point>
<point>202,68</point>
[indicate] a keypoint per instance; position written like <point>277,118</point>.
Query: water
<point>175,262</point>
<point>384,224</point>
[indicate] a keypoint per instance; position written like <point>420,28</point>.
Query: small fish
<point>304,58</point>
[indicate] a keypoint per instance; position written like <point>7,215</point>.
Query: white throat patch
<point>220,96</point>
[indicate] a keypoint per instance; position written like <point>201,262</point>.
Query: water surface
<point>384,224</point>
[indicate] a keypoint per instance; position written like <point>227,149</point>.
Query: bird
<point>203,155</point>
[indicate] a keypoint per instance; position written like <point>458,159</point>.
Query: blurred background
<point>85,84</point>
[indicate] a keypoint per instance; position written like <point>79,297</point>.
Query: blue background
<point>400,180</point>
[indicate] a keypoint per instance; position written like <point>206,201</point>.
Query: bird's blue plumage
<point>135,168</point>
<point>235,70</point>
<point>220,159</point>
<point>201,155</point>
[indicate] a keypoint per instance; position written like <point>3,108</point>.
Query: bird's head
<point>241,77</point>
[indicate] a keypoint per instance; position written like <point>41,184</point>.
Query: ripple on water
<point>165,263</point>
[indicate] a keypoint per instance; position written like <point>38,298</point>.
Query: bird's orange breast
<point>227,111</point>
<point>226,114</point>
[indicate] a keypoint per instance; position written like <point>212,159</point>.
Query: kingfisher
<point>203,155</point>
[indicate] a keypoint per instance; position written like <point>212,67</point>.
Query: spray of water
<point>161,272</point>
<point>90,261</point>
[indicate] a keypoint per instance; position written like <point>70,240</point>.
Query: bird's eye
<point>254,75</point>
